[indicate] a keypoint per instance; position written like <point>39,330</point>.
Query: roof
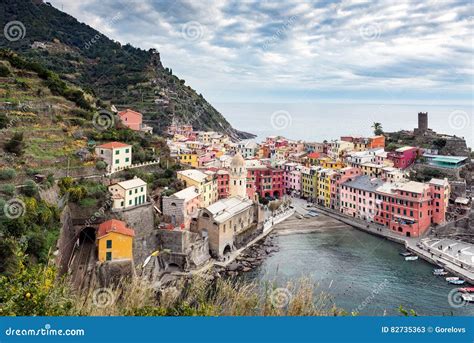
<point>225,209</point>
<point>114,225</point>
<point>439,182</point>
<point>122,113</point>
<point>405,148</point>
<point>133,183</point>
<point>113,145</point>
<point>193,174</point>
<point>365,183</point>
<point>314,155</point>
<point>186,194</point>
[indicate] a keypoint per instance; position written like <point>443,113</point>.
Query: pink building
<point>404,157</point>
<point>292,178</point>
<point>357,197</point>
<point>131,119</point>
<point>181,206</point>
<point>337,179</point>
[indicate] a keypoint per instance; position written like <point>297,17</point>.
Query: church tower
<point>238,177</point>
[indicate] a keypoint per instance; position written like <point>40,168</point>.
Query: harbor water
<point>360,272</point>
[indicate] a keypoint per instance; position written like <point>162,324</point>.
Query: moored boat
<point>411,258</point>
<point>443,273</point>
<point>452,278</point>
<point>467,294</point>
<point>457,282</point>
<point>406,253</point>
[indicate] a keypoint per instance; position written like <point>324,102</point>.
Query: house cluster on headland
<point>232,190</point>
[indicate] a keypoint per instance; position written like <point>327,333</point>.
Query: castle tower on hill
<point>422,122</point>
<point>238,177</point>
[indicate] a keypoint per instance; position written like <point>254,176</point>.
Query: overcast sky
<point>295,51</point>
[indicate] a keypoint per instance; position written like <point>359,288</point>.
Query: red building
<point>268,182</point>
<point>404,157</point>
<point>410,208</point>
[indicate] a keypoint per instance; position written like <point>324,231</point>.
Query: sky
<point>301,51</point>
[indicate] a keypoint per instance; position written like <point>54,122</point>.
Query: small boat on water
<point>457,282</point>
<point>439,270</point>
<point>440,273</point>
<point>467,294</point>
<point>452,278</point>
<point>411,258</point>
<point>406,253</point>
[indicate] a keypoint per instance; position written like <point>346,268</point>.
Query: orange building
<point>114,241</point>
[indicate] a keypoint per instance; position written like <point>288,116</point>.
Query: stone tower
<point>422,122</point>
<point>238,177</point>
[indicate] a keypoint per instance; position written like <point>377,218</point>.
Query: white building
<point>128,193</point>
<point>117,155</point>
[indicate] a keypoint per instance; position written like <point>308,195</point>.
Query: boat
<point>439,270</point>
<point>440,273</point>
<point>457,282</point>
<point>452,278</point>
<point>411,258</point>
<point>406,253</point>
<point>467,294</point>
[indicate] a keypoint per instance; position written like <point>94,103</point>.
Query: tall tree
<point>377,128</point>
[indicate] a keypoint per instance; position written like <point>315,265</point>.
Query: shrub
<point>7,189</point>
<point>15,145</point>
<point>4,71</point>
<point>7,174</point>
<point>30,189</point>
<point>101,165</point>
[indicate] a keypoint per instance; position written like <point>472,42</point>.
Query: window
<point>127,150</point>
<point>108,244</point>
<point>108,256</point>
<point>127,159</point>
<point>117,161</point>
<point>117,152</point>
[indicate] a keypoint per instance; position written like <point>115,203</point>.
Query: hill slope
<point>116,74</point>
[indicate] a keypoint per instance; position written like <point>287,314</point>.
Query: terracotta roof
<point>113,145</point>
<point>314,155</point>
<point>114,225</point>
<point>122,113</point>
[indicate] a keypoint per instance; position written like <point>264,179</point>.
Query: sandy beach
<point>293,225</point>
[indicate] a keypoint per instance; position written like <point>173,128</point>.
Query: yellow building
<point>309,182</point>
<point>324,187</point>
<point>189,158</point>
<point>205,183</point>
<point>372,169</point>
<point>114,241</point>
<point>328,163</point>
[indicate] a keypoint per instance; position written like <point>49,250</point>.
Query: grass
<point>201,297</point>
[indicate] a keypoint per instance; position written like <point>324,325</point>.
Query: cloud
<point>272,48</point>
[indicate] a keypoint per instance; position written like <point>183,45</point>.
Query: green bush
<point>8,189</point>
<point>101,165</point>
<point>4,71</point>
<point>7,174</point>
<point>30,189</point>
<point>15,145</point>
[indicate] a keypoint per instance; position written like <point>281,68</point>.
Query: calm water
<point>320,121</point>
<point>349,265</point>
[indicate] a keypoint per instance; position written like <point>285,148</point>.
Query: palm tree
<point>377,128</point>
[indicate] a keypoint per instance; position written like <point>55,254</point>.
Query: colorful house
<point>358,197</point>
<point>182,206</point>
<point>114,241</point>
<point>134,121</point>
<point>404,157</point>
<point>206,183</point>
<point>128,193</point>
<point>189,158</point>
<point>309,182</point>
<point>116,155</point>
